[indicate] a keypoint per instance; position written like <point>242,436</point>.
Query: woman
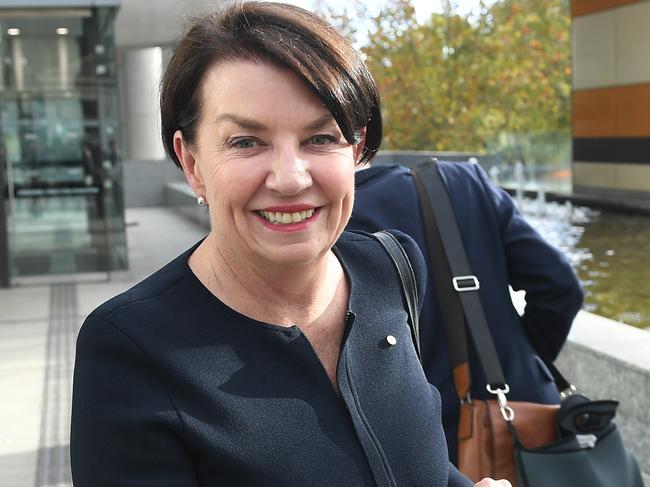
<point>276,351</point>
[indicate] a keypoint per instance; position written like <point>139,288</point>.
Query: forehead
<point>256,89</point>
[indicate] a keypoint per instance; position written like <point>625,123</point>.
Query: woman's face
<point>272,163</point>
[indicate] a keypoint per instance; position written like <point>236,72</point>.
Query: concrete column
<point>142,72</point>
<point>19,67</point>
<point>62,49</point>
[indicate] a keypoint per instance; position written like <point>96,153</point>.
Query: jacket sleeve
<point>125,430</point>
<point>457,479</point>
<point>553,292</point>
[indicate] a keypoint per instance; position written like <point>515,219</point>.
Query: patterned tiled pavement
<point>38,327</point>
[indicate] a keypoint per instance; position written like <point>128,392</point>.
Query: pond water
<point>610,253</point>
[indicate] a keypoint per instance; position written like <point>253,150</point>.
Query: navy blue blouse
<point>174,388</point>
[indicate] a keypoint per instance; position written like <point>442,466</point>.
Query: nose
<point>289,172</point>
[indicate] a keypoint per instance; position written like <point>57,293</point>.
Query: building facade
<point>79,84</point>
<point>611,100</point>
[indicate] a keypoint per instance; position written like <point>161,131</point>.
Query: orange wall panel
<point>582,7</point>
<point>633,113</point>
<point>622,111</point>
<point>594,113</point>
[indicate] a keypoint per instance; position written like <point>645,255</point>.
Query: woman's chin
<point>296,254</point>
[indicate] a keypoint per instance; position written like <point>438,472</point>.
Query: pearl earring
<point>200,201</point>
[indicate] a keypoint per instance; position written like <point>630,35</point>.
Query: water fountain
<point>494,173</point>
<point>541,201</point>
<point>520,181</point>
<point>609,251</point>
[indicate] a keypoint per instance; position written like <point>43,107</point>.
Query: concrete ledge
<point>180,197</point>
<point>593,201</point>
<point>144,182</point>
<point>614,197</point>
<point>179,194</point>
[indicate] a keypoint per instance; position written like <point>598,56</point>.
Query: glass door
<point>63,210</point>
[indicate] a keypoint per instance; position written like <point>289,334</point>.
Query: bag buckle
<point>466,283</point>
<point>587,441</point>
<point>569,391</point>
<point>506,411</point>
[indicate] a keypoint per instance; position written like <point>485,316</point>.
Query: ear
<point>358,148</point>
<point>188,163</point>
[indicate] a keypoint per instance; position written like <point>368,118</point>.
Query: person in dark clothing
<point>276,351</point>
<point>502,250</point>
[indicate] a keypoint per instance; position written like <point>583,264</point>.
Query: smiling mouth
<point>280,218</point>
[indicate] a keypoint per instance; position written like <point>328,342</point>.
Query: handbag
<point>589,452</point>
<point>523,442</point>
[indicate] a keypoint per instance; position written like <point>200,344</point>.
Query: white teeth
<point>278,218</point>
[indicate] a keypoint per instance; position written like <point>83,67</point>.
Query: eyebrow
<point>245,123</point>
<point>250,124</point>
<point>320,122</point>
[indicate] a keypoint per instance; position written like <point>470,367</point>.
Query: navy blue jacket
<point>502,248</point>
<point>174,388</point>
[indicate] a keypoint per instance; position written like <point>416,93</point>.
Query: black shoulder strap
<point>459,291</point>
<point>407,278</point>
<point>465,286</point>
<point>451,310</point>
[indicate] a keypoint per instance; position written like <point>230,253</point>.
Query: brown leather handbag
<point>485,446</point>
<point>485,440</point>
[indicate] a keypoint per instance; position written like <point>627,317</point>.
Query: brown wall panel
<point>582,7</point>
<point>633,114</point>
<point>622,111</point>
<point>594,113</point>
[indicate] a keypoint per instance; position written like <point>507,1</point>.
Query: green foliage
<point>454,83</point>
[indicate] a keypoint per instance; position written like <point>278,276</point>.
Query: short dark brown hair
<point>278,33</point>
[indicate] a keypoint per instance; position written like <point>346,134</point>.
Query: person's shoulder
<point>468,185</point>
<point>362,249</point>
<point>463,170</point>
<point>153,292</point>
<point>350,240</point>
<point>378,175</point>
<point>352,237</point>
<point>355,244</point>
